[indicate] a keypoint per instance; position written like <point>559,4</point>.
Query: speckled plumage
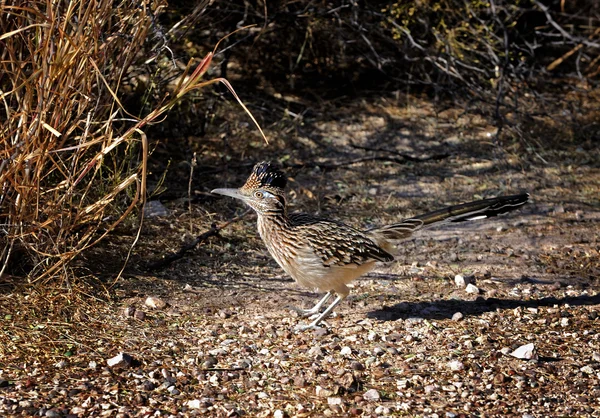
<point>326,254</point>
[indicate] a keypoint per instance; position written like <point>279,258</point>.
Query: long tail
<point>471,211</point>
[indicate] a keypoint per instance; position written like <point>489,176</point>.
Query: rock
<point>595,357</point>
<point>499,378</point>
<point>278,413</point>
<point>371,395</point>
<point>346,351</point>
<point>139,315</point>
<point>356,365</point>
<point>334,401</point>
<point>155,303</point>
<point>154,208</point>
<point>455,365</point>
<point>148,385</point>
<point>322,392</point>
<point>587,370</point>
<point>120,360</point>
<point>457,316</point>
<point>382,410</point>
<point>525,352</point>
<point>378,351</point>
<point>194,404</point>
<point>564,322</point>
<point>471,288</point>
<point>299,381</point>
<point>52,413</point>
<point>459,280</point>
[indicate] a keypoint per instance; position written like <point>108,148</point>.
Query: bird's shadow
<point>445,309</point>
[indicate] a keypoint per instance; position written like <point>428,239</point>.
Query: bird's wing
<point>337,244</point>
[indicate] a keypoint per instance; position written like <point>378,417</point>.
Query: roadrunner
<point>326,254</point>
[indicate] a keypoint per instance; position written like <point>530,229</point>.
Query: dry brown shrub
<point>61,68</point>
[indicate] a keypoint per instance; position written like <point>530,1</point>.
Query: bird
<point>326,254</point>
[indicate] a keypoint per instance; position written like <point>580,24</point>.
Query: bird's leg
<point>315,324</point>
<point>305,313</point>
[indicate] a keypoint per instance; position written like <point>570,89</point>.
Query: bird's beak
<point>235,193</point>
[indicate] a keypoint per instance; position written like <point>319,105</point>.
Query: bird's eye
<point>258,194</point>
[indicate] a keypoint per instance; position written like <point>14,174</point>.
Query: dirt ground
<point>407,342</point>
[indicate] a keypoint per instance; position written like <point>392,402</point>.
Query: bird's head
<point>263,191</point>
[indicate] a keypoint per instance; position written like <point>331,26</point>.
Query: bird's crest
<point>265,176</point>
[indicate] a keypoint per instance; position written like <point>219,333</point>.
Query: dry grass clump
<point>63,165</point>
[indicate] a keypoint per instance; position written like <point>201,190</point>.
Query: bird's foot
<point>303,313</point>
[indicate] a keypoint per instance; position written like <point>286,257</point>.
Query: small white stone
<point>193,404</point>
<point>525,352</point>
<point>346,351</point>
<point>371,395</point>
<point>457,316</point>
<point>334,401</point>
<point>322,392</point>
<point>456,365</point>
<point>471,288</point>
<point>459,280</point>
<point>120,360</point>
<point>564,322</point>
<point>278,413</point>
<point>587,369</point>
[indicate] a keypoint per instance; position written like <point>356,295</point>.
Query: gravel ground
<point>215,339</point>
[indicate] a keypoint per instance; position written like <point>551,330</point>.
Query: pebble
<point>595,356</point>
<point>334,401</point>
<point>346,351</point>
<point>155,303</point>
<point>457,316</point>
<point>525,352</point>
<point>120,360</point>
<point>356,365</point>
<point>322,392</point>
<point>139,315</point>
<point>154,208</point>
<point>459,280</point>
<point>148,385</point>
<point>278,413</point>
<point>371,395</point>
<point>587,370</point>
<point>456,365</point>
<point>564,322</point>
<point>378,351</point>
<point>52,413</point>
<point>471,288</point>
<point>382,410</point>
